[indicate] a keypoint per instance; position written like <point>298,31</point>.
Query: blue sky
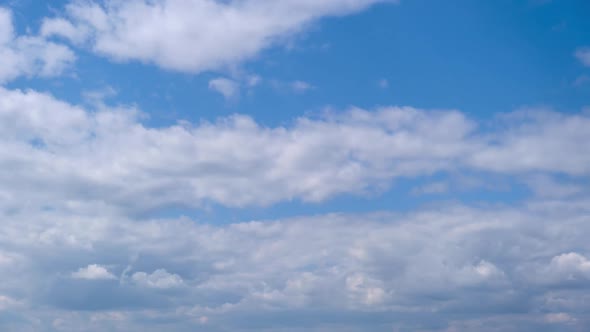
<point>297,165</point>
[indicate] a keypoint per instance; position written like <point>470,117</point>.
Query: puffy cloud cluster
<point>29,55</point>
<point>207,34</point>
<point>429,270</point>
<point>66,157</point>
<point>78,250</point>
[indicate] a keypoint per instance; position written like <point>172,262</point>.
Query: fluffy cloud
<point>82,182</point>
<point>29,55</point>
<point>158,279</point>
<point>226,87</point>
<point>367,271</point>
<point>107,157</point>
<point>93,272</point>
<point>570,266</point>
<point>538,140</point>
<point>191,35</point>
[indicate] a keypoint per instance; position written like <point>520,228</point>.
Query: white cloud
<point>547,186</point>
<point>439,187</point>
<point>537,140</point>
<point>64,28</point>
<point>7,303</point>
<point>29,55</point>
<point>225,86</point>
<point>571,265</point>
<point>191,35</point>
<point>108,156</point>
<point>583,55</point>
<point>158,279</point>
<point>560,317</point>
<point>301,86</point>
<point>426,262</point>
<point>253,80</point>
<point>93,272</point>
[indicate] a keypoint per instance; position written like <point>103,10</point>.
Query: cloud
<point>253,80</point>
<point>362,272</point>
<point>537,140</point>
<point>228,88</point>
<point>301,86</point>
<point>543,185</point>
<point>29,55</point>
<point>432,188</point>
<point>559,318</point>
<point>583,55</point>
<point>158,279</point>
<point>108,156</point>
<point>93,272</point>
<point>571,265</point>
<point>191,35</point>
<point>83,182</point>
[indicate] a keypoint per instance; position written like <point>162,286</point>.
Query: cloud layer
<point>108,157</point>
<point>77,248</point>
<point>508,268</point>
<point>91,235</point>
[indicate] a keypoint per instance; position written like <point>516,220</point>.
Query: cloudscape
<point>294,165</point>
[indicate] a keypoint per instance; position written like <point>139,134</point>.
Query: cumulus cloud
<point>107,156</point>
<point>191,35</point>
<point>361,271</point>
<point>93,272</point>
<point>570,266</point>
<point>82,179</point>
<point>29,55</point>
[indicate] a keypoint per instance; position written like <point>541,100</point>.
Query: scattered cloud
<point>301,86</point>
<point>29,55</point>
<point>230,89</point>
<point>383,83</point>
<point>93,272</point>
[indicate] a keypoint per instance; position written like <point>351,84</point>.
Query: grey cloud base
<point>487,269</point>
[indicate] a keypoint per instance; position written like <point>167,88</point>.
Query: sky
<point>294,165</point>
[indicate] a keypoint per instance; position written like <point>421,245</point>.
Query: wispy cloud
<point>230,89</point>
<point>583,55</point>
<point>29,55</point>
